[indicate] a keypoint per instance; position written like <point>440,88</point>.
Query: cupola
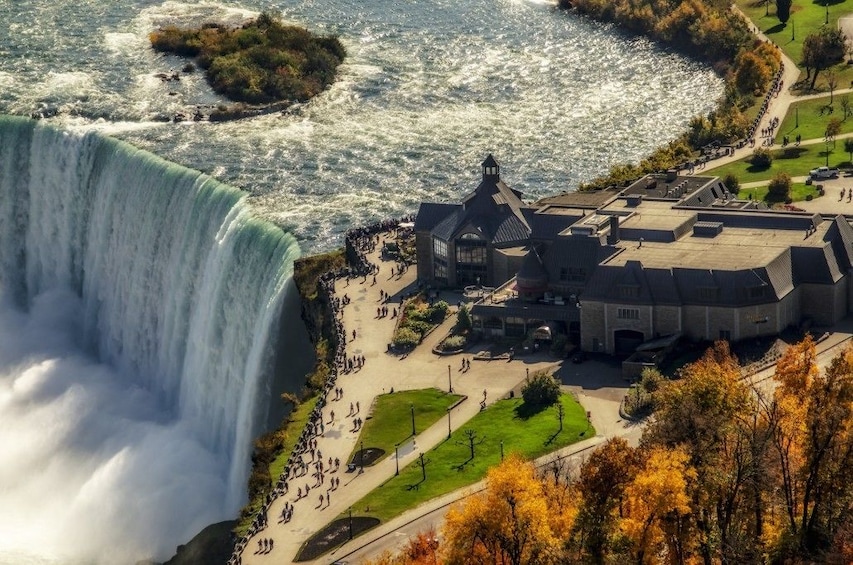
<point>491,170</point>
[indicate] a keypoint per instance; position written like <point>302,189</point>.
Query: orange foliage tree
<point>510,523</point>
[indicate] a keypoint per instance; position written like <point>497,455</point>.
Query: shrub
<point>761,158</point>
<point>732,183</point>
<point>463,319</point>
<point>438,311</point>
<point>651,379</point>
<point>405,337</point>
<point>419,326</point>
<point>453,343</point>
<point>779,188</point>
<point>540,390</point>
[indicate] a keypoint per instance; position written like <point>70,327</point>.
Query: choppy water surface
<point>430,86</point>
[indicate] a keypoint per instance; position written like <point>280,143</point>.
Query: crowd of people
<point>359,242</point>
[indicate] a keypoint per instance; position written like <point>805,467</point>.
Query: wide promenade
<point>599,388</point>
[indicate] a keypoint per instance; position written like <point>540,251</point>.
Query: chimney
<point>613,236</point>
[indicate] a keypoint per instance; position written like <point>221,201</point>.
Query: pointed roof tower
<point>491,169</point>
<point>532,277</point>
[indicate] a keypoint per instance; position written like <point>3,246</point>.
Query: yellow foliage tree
<point>656,499</point>
<point>812,419</point>
<point>508,524</point>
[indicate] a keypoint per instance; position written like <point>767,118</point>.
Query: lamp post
<point>448,423</point>
<point>449,380</point>
<point>361,458</point>
<point>826,5</point>
<point>397,458</point>
<point>502,450</point>
<point>413,418</point>
<point>528,371</point>
<point>827,151</point>
<point>793,29</point>
<point>797,116</point>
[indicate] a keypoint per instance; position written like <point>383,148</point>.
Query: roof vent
<point>707,229</point>
<point>633,200</point>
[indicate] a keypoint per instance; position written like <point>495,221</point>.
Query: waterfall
<point>115,261</point>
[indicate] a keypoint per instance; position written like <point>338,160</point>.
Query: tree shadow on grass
<point>461,466</point>
<point>776,29</point>
<point>526,411</point>
<point>756,169</point>
<point>792,152</point>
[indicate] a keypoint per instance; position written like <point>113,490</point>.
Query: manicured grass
<point>807,17</point>
<point>813,118</point>
<point>796,161</point>
<point>799,191</point>
<point>448,466</point>
<point>390,420</point>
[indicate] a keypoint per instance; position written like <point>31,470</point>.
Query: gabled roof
<point>430,214</point>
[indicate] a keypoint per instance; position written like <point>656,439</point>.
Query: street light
<point>448,423</point>
<point>793,29</point>
<point>502,450</point>
<point>397,458</point>
<point>826,5</point>
<point>361,458</point>
<point>449,380</point>
<point>413,418</point>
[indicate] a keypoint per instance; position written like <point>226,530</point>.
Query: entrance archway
<point>626,341</point>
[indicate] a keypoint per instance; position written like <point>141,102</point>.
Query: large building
<point>668,255</point>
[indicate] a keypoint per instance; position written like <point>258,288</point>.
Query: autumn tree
<point>708,412</point>
<point>508,523</point>
<point>601,485</point>
<point>833,128</point>
<point>812,421</point>
<point>753,73</point>
<point>657,505</point>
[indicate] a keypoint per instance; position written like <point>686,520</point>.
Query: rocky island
<point>264,65</point>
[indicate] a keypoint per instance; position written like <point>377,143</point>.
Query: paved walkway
<point>381,372</point>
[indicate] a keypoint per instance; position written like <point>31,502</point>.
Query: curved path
<point>420,369</point>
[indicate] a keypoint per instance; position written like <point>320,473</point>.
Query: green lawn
<point>807,17</point>
<point>390,420</point>
<point>796,161</point>
<point>813,118</point>
<point>799,191</point>
<point>448,467</point>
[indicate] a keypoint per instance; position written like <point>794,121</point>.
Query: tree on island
<point>263,61</point>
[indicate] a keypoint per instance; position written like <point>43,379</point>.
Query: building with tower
<point>667,256</point>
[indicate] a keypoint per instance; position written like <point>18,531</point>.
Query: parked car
<point>824,173</point>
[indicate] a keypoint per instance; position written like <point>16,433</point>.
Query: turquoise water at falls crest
<point>140,302</point>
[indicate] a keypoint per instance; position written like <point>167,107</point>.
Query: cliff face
<point>316,310</point>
